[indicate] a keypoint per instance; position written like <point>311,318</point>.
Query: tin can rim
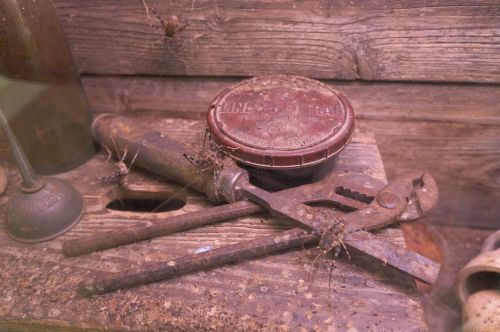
<point>272,158</point>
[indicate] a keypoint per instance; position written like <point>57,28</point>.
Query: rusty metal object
<point>44,208</point>
<point>110,239</point>
<point>407,261</point>
<point>408,188</point>
<point>368,217</point>
<point>416,265</point>
<point>281,122</point>
<point>338,189</point>
<point>3,180</point>
<point>282,129</point>
<point>189,263</point>
<point>225,181</point>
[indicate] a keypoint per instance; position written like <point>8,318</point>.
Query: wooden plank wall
<point>378,52</point>
<point>433,40</point>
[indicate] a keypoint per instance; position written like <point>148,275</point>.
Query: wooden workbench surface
<point>278,292</point>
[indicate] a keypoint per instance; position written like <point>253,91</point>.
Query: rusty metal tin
<point>281,122</point>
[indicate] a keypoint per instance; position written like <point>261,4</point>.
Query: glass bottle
<point>40,91</point>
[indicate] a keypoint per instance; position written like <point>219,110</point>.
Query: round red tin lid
<point>281,122</point>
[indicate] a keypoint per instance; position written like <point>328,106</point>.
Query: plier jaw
<point>408,197</point>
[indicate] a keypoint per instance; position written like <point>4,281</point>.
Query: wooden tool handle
<point>156,152</point>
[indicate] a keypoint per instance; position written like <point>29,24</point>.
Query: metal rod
<point>30,179</point>
<point>113,238</point>
<point>189,263</point>
<point>405,260</point>
<point>418,266</point>
<point>171,225</point>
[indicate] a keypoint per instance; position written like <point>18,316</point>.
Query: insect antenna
<point>115,147</point>
<point>133,160</point>
<point>174,196</point>
<point>109,154</point>
<point>125,151</point>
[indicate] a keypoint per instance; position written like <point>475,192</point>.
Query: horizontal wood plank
<point>277,292</point>
<point>369,40</point>
<point>453,131</point>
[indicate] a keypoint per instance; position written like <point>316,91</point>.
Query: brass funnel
<point>44,207</point>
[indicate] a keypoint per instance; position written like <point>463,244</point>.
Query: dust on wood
<point>452,131</point>
<point>38,283</point>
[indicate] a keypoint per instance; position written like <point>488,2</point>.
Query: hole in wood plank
<point>145,205</point>
<point>146,202</point>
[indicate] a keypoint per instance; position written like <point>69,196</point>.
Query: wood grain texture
<point>453,131</point>
<point>439,40</point>
<point>277,292</point>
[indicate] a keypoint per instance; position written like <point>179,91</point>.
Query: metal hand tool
<point>407,197</point>
<point>340,190</point>
<point>109,239</point>
<point>229,182</point>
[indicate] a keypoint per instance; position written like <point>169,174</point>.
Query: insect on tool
<point>406,198</point>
